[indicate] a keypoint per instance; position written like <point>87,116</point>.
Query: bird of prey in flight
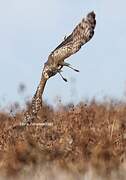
<point>81,34</point>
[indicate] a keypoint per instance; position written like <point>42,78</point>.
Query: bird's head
<point>48,71</point>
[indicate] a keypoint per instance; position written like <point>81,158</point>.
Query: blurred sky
<point>31,29</point>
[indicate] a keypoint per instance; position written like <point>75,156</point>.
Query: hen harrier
<point>82,33</point>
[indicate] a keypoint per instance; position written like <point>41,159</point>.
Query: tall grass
<point>86,141</point>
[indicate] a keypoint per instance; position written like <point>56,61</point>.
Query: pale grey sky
<point>31,29</point>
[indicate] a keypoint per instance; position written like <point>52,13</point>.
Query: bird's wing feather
<point>82,33</point>
<point>36,103</point>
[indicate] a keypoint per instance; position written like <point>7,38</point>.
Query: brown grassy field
<point>86,141</point>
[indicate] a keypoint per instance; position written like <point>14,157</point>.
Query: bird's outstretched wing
<point>36,103</point>
<point>82,33</point>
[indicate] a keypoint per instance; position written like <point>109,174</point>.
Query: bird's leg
<point>59,71</point>
<point>69,65</point>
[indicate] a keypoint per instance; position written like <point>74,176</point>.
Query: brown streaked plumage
<point>36,103</point>
<point>82,33</point>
